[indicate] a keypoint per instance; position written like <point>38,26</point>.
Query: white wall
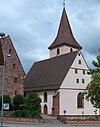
<point>49,100</point>
<point>68,102</point>
<point>70,79</point>
<point>70,89</point>
<point>63,50</point>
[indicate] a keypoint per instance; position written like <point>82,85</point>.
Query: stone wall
<point>13,70</point>
<point>23,120</point>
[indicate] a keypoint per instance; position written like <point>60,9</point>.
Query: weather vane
<point>64,3</point>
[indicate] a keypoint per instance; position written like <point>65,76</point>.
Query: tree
<point>18,100</point>
<point>92,91</point>
<point>33,104</point>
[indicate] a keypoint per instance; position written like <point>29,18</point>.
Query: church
<point>61,79</point>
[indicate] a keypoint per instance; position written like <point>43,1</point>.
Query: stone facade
<point>12,70</point>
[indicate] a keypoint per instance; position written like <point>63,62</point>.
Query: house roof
<point>49,74</point>
<point>7,39</point>
<point>64,35</point>
<point>1,54</point>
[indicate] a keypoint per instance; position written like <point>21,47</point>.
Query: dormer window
<point>58,51</point>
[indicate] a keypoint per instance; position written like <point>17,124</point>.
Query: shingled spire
<point>64,35</point>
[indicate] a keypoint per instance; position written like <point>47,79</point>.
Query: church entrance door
<point>45,109</point>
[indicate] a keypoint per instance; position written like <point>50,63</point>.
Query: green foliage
<point>6,99</point>
<point>18,100</point>
<point>21,114</point>
<point>92,91</point>
<point>28,107</point>
<point>33,104</point>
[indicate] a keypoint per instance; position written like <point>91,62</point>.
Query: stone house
<point>13,70</point>
<point>60,80</point>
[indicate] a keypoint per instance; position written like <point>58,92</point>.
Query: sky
<point>33,25</point>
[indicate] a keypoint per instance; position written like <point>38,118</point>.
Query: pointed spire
<point>64,35</point>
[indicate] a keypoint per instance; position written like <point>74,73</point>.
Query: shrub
<point>21,114</point>
<point>33,104</point>
<point>18,101</point>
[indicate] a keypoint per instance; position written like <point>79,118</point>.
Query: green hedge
<point>21,114</point>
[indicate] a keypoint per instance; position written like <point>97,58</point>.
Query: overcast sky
<point>33,24</point>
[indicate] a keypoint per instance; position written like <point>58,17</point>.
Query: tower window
<point>71,50</point>
<point>58,51</point>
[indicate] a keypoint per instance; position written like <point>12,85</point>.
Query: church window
<point>80,101</point>
<point>58,51</point>
<point>79,61</point>
<point>76,71</point>
<point>45,97</point>
<point>83,81</point>
<point>83,72</point>
<point>77,80</point>
<point>71,50</point>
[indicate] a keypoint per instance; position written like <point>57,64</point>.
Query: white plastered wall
<point>63,50</point>
<point>49,100</point>
<point>70,89</point>
<point>68,102</point>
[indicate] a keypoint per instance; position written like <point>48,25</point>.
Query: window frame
<point>80,101</point>
<point>77,80</point>
<point>45,97</point>
<point>80,62</point>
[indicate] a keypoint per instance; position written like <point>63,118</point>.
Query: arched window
<point>58,51</point>
<point>80,101</point>
<point>71,50</point>
<point>45,97</point>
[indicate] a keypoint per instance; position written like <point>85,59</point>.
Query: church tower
<point>64,41</point>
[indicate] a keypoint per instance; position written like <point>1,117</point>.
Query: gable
<point>77,64</point>
<point>81,75</point>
